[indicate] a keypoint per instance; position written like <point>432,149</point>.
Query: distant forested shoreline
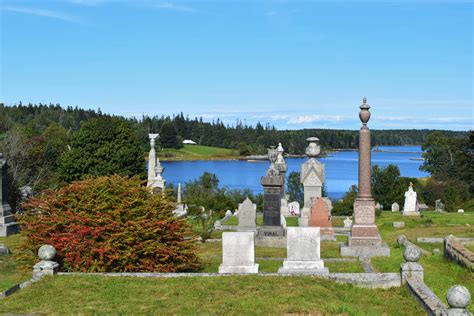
<point>247,139</point>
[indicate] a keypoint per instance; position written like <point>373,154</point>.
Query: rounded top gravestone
<point>401,239</point>
<point>458,297</point>
<point>412,254</point>
<point>46,252</point>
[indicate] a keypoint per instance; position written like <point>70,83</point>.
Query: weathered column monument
<point>272,183</point>
<point>155,181</point>
<point>8,225</point>
<point>365,240</point>
<point>281,166</point>
<point>312,178</point>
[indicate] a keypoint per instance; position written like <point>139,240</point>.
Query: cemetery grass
<point>197,152</point>
<point>10,272</point>
<point>440,273</point>
<point>231,295</point>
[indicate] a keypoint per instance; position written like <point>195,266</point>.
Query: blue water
<point>341,169</point>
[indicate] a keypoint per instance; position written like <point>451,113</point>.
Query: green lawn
<point>237,295</point>
<point>250,294</point>
<point>10,274</point>
<point>440,274</point>
<point>197,152</point>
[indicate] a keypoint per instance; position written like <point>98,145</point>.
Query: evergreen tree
<point>169,136</point>
<point>103,146</point>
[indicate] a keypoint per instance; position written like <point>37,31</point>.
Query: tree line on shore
<point>247,139</point>
<point>48,146</point>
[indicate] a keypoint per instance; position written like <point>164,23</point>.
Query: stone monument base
<point>271,231</point>
<point>9,229</point>
<point>411,213</point>
<point>304,267</point>
<point>238,269</point>
<point>270,242</point>
<point>303,221</point>
<point>365,250</point>
<point>328,237</point>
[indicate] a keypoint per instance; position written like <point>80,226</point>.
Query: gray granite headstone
<point>8,225</point>
<point>247,215</point>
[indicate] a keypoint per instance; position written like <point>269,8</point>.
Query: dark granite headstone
<point>271,209</point>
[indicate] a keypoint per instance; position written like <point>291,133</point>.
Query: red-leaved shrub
<point>109,224</point>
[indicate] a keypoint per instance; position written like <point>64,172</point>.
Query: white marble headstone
<point>409,208</point>
<point>294,208</point>
<point>347,223</point>
<point>303,251</point>
<point>395,207</point>
<point>238,253</point>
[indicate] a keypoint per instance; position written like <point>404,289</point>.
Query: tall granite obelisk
<point>8,225</point>
<point>365,240</point>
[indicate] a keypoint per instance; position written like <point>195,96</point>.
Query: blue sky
<point>294,64</point>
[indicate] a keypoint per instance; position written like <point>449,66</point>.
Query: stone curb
<point>422,293</point>
<point>367,280</point>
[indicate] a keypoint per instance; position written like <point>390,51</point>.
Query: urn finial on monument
<point>364,113</point>
<point>313,149</point>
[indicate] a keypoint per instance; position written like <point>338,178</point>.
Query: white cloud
<point>40,12</point>
<point>424,119</point>
<point>301,119</point>
<point>176,7</point>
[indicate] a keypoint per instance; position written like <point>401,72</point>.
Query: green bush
<point>109,224</point>
<point>452,193</point>
<point>345,206</point>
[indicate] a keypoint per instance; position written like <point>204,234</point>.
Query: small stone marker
<point>238,253</point>
<point>4,250</point>
<point>347,223</point>
<point>46,266</point>
<point>436,251</point>
<point>411,269</point>
<point>321,217</point>
<point>303,248</point>
<point>294,208</point>
<point>410,206</point>
<point>422,206</point>
<point>439,206</point>
<point>247,215</point>
<point>398,224</point>
<point>395,207</point>
<point>460,210</point>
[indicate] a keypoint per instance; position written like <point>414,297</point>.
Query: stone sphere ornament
<point>412,254</point>
<point>313,149</point>
<point>458,296</point>
<point>46,252</point>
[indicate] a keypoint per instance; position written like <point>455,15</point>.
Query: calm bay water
<point>341,169</point>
